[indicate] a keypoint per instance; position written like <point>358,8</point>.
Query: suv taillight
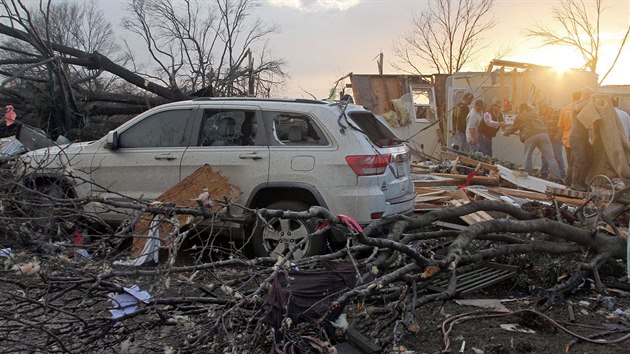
<point>369,165</point>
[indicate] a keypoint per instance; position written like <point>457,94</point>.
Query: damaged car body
<point>282,154</point>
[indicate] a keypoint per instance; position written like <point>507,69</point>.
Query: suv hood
<point>66,149</point>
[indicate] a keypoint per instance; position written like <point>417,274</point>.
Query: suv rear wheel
<point>279,236</point>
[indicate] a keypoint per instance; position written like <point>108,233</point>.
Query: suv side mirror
<point>111,140</point>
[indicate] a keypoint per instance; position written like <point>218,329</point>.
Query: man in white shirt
<point>472,126</point>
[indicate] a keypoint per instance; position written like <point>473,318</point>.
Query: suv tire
<point>279,236</point>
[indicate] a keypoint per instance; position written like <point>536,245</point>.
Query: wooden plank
<point>437,183</point>
<point>468,161</point>
<point>450,225</point>
<point>183,194</point>
<point>430,191</point>
<point>565,192</point>
<point>535,196</point>
<point>479,180</point>
<point>472,218</point>
<point>430,198</point>
<point>482,192</point>
<point>523,180</point>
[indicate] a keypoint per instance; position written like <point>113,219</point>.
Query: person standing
<point>580,144</point>
<point>472,126</point>
<point>460,112</point>
<point>565,123</point>
<point>489,126</point>
<point>551,117</point>
<point>534,135</point>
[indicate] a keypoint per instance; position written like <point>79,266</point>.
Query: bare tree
<point>580,25</point>
<point>206,46</point>
<point>63,53</point>
<point>447,35</point>
<point>49,74</point>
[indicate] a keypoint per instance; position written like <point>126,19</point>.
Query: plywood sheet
<point>183,194</point>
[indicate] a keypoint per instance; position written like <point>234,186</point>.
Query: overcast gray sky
<point>322,40</point>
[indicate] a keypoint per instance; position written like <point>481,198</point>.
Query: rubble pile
<point>520,254</point>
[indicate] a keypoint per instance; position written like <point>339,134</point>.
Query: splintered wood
<point>431,199</point>
<point>434,189</point>
<point>184,194</point>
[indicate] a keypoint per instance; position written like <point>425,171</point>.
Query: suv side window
<point>162,129</point>
<point>294,129</point>
<point>229,128</point>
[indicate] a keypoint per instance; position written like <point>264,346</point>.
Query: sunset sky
<point>322,40</point>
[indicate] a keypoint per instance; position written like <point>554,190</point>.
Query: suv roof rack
<point>296,100</point>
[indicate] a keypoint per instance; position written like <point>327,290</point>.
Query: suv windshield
<point>376,131</point>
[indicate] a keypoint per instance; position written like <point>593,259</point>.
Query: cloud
<point>315,5</point>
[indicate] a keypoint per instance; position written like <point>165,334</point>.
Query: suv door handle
<point>165,157</point>
<point>252,156</point>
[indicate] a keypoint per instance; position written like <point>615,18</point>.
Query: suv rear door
<point>302,153</point>
<point>230,139</point>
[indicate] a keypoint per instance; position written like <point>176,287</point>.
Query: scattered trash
<point>5,252</point>
<point>77,238</point>
<point>491,304</point>
<point>82,252</point>
<point>29,268</point>
<point>622,313</point>
<point>515,327</point>
<point>127,303</point>
<point>12,148</point>
<point>401,350</point>
<point>341,322</point>
<point>571,314</point>
<point>203,200</point>
<point>608,302</point>
<point>9,116</point>
<point>151,250</point>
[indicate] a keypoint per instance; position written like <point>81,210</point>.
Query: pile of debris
<point>536,260</point>
<point>459,178</point>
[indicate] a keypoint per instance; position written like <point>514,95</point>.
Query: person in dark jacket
<point>534,135</point>
<point>580,144</point>
<point>489,126</point>
<point>460,112</point>
<point>550,117</point>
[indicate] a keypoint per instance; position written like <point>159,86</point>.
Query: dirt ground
<point>478,333</point>
<point>593,313</point>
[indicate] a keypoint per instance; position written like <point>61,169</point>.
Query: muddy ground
<point>534,332</point>
<point>65,301</point>
<point>535,335</point>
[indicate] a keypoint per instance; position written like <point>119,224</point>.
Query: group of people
<point>474,128</point>
<point>545,129</point>
<point>576,138</point>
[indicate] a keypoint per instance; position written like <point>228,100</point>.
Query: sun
<point>561,68</point>
<point>561,59</point>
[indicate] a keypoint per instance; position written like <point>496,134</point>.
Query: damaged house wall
<point>391,96</point>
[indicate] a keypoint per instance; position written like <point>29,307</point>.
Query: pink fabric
<point>352,224</point>
<point>349,222</point>
<point>9,116</point>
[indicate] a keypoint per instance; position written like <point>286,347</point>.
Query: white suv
<point>282,154</point>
